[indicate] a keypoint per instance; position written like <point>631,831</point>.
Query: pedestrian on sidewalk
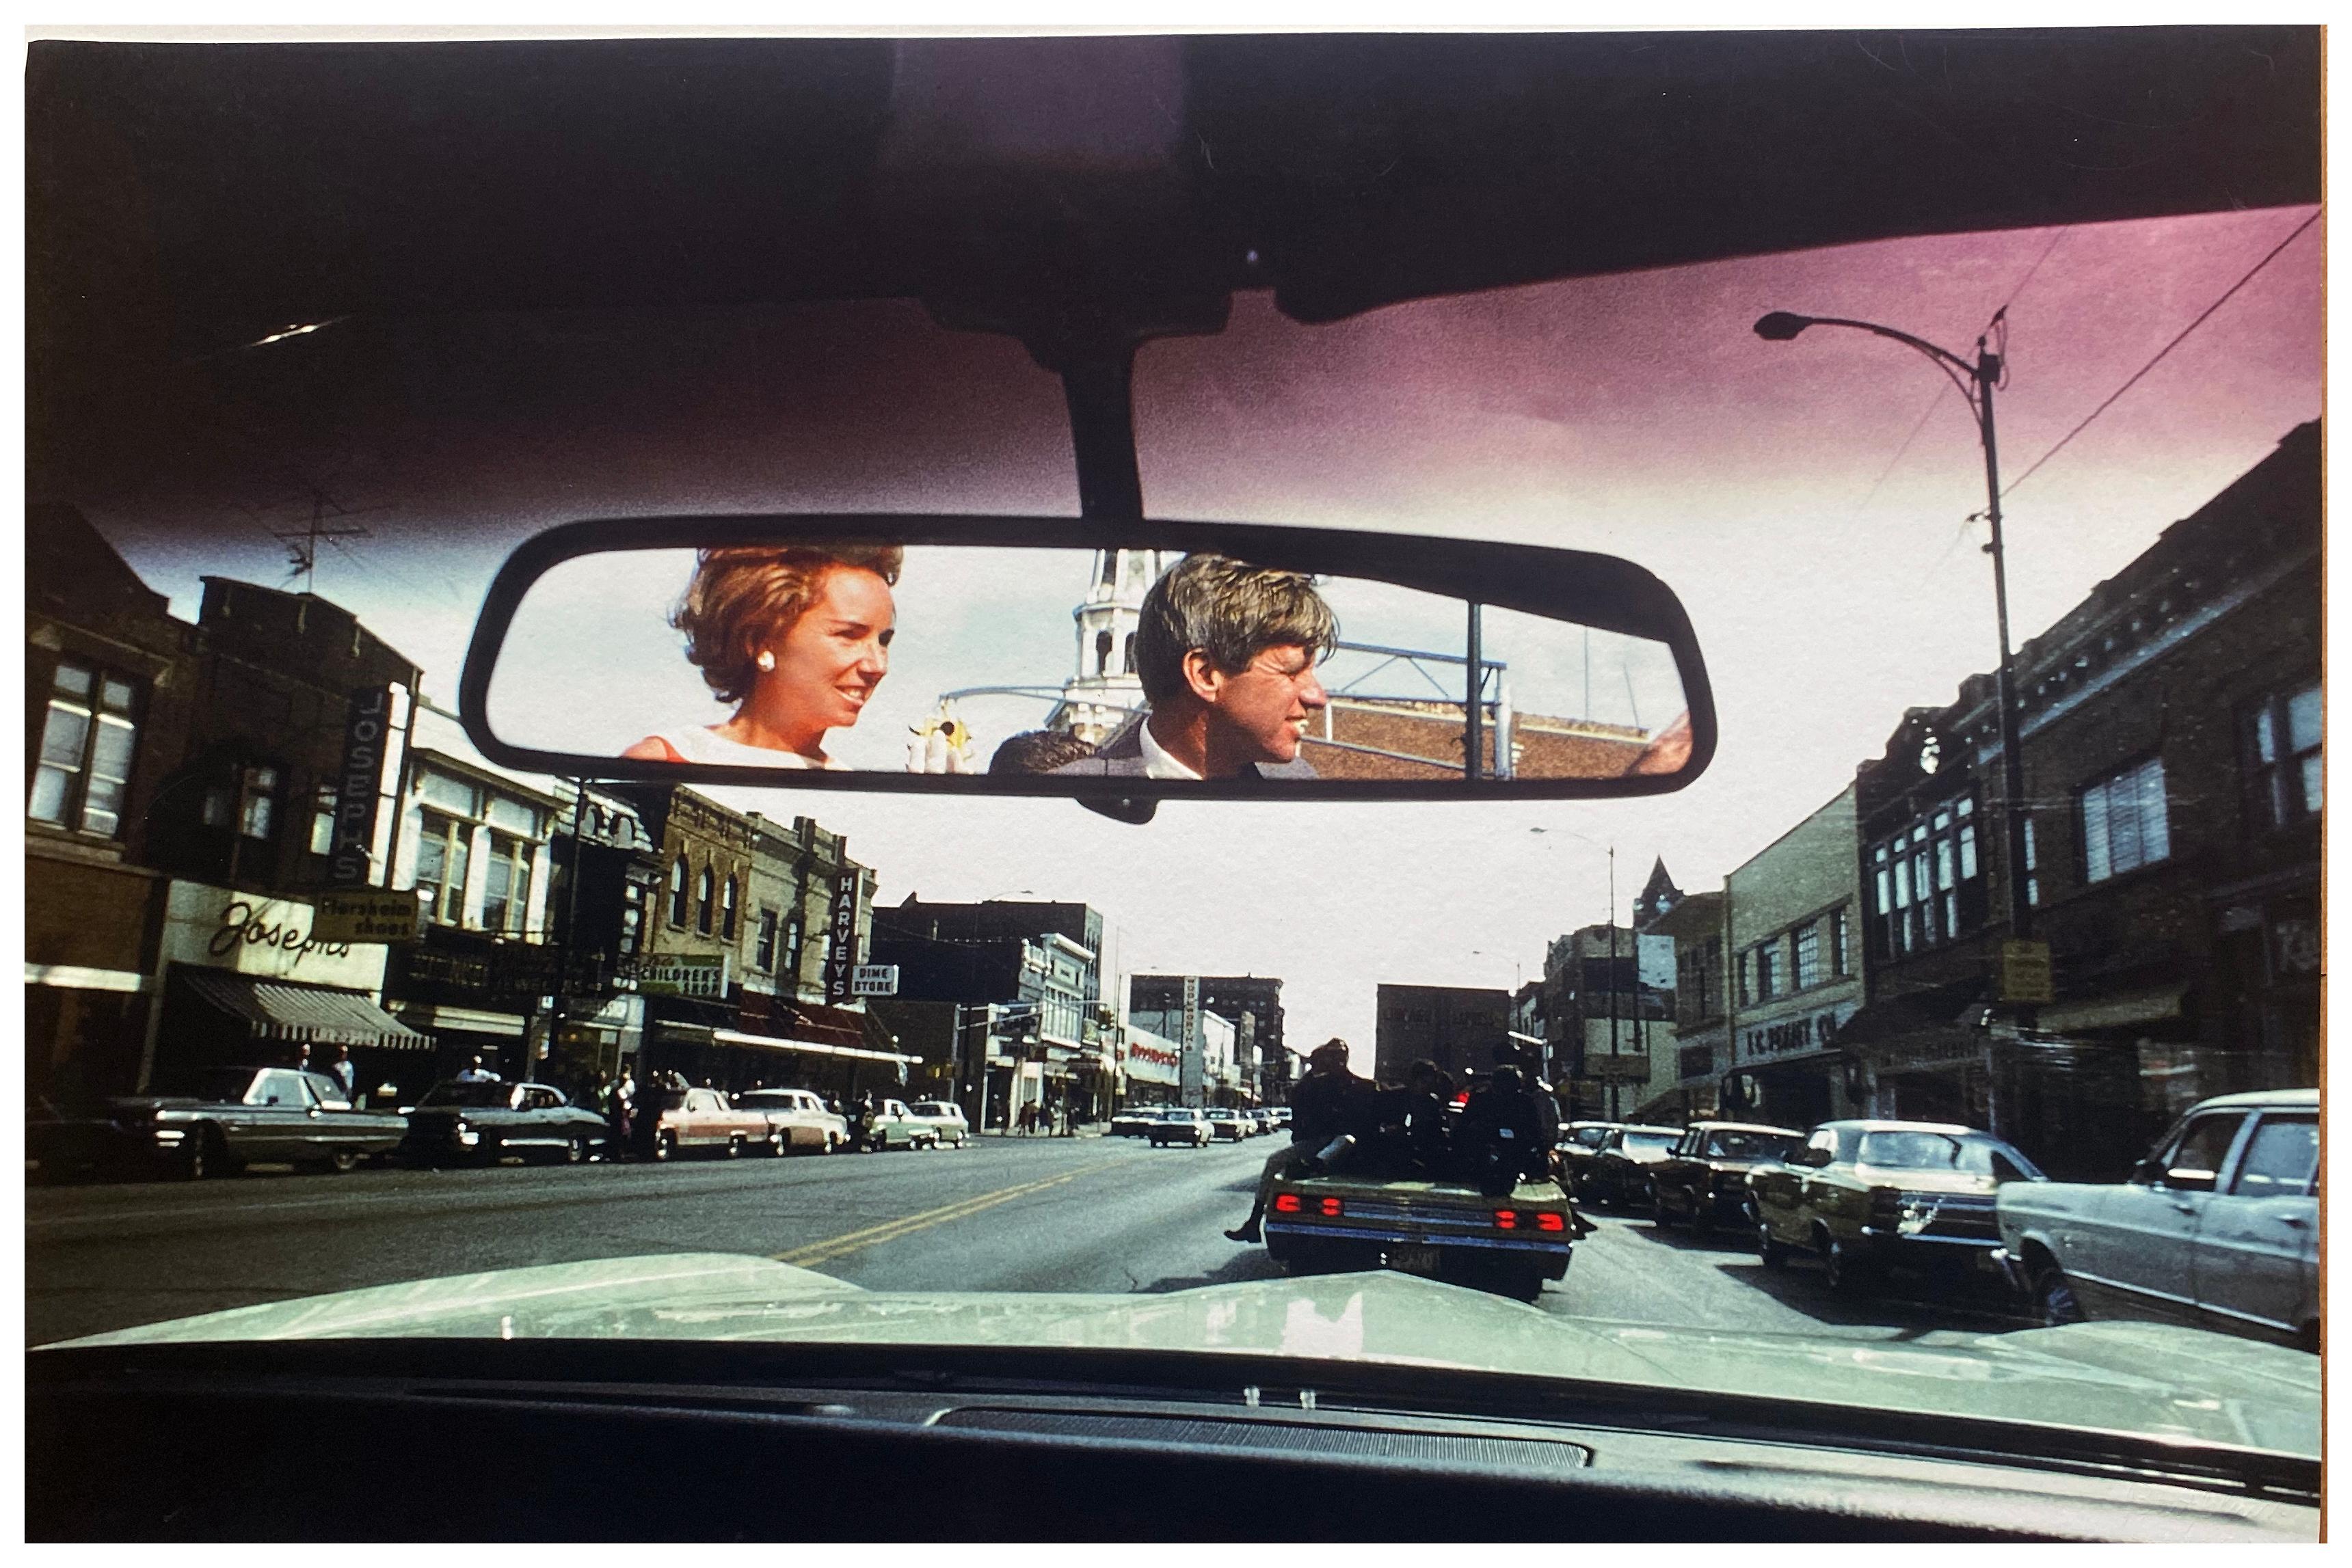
<point>345,1074</point>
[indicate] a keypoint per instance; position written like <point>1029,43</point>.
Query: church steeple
<point>1096,700</point>
<point>1659,894</point>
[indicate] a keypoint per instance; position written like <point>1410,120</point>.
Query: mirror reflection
<point>1121,664</point>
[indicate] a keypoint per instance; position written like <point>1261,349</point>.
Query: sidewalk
<point>1082,1130</point>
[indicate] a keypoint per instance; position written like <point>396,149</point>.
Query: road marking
<point>890,1231</point>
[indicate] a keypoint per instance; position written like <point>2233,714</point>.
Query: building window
<point>1765,955</point>
<point>793,937</point>
<point>1747,979</point>
<point>450,794</point>
<point>677,893</point>
<point>322,824</point>
<point>2282,765</point>
<point>2032,865</point>
<point>441,848</point>
<point>505,895</point>
<point>1806,940</point>
<point>764,954</point>
<point>1926,880</point>
<point>1841,951</point>
<point>2123,822</point>
<point>1102,652</point>
<point>87,740</point>
<point>512,817</point>
<point>704,887</point>
<point>727,910</point>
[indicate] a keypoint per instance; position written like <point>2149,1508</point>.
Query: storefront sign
<point>1194,1072</point>
<point>2025,972</point>
<point>220,929</point>
<point>365,727</point>
<point>369,915</point>
<point>685,975</point>
<point>841,948</point>
<point>874,980</point>
<point>1798,1036</point>
<point>1152,1059</point>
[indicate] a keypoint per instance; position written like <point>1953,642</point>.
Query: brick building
<point>2170,731</point>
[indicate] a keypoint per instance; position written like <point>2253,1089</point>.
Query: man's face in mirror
<point>1260,713</point>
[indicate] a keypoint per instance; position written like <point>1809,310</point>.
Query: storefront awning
<point>1890,1021</point>
<point>696,1034</point>
<point>275,1010</point>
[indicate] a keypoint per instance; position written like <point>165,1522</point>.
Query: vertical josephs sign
<point>366,728</point>
<point>841,949</point>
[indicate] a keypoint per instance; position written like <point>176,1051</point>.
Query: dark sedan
<point>1619,1171</point>
<point>1703,1180</point>
<point>236,1116</point>
<point>482,1121</point>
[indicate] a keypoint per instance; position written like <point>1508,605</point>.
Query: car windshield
<point>301,385</point>
<point>466,1094</point>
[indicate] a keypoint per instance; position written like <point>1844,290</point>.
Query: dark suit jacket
<point>1121,757</point>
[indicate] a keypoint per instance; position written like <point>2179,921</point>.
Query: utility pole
<point>555,1016</point>
<point>1614,1107</point>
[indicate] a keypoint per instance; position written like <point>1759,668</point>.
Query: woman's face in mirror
<point>830,661</point>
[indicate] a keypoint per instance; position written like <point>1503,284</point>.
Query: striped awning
<point>318,1015</point>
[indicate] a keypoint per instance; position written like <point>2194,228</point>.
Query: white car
<point>799,1118</point>
<point>2219,1229</point>
<point>896,1127</point>
<point>1189,1128</point>
<point>944,1118</point>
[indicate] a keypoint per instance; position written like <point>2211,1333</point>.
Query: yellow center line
<point>907,1225</point>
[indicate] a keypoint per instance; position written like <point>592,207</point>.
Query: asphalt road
<point>1012,1214</point>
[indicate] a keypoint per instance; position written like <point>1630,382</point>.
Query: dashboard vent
<point>1380,1443</point>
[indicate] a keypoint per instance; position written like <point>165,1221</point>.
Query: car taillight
<point>1507,1220</point>
<point>1885,1207</point>
<point>1551,1222</point>
<point>1331,1209</point>
<point>1286,1203</point>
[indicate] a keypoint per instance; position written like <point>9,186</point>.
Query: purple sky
<point>1636,414</point>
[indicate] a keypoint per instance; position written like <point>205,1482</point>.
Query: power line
<point>2160,353</point>
<point>2030,271</point>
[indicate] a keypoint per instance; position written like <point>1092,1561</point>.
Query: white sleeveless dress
<point>699,743</point>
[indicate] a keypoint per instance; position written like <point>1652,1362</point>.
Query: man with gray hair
<point>1226,654</point>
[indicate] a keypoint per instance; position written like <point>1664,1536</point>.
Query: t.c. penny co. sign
<point>219,928</point>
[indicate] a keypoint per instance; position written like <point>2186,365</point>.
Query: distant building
<point>1253,1005</point>
<point>1606,992</point>
<point>1457,1026</point>
<point>1683,1083</point>
<point>1791,912</point>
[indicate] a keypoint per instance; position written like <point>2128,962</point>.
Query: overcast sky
<point>1808,501</point>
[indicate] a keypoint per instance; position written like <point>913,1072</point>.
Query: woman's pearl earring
<point>766,661</point>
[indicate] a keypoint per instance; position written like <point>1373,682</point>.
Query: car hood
<point>2146,1379</point>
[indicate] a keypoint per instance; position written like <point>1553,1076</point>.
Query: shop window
<point>705,886</point>
<point>764,953</point>
<point>442,847</point>
<point>2125,825</point>
<point>677,893</point>
<point>727,910</point>
<point>1806,942</point>
<point>87,740</point>
<point>2283,759</point>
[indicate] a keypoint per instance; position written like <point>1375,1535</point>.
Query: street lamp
<point>1976,381</point>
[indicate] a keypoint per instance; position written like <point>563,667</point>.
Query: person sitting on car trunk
<point>1326,1103</point>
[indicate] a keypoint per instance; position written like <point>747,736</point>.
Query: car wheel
<point>575,1150</point>
<point>1847,1274</point>
<point>205,1155</point>
<point>665,1145</point>
<point>734,1145</point>
<point>832,1145</point>
<point>2053,1297</point>
<point>1774,1251</point>
<point>343,1162</point>
<point>1702,1218</point>
<point>880,1144</point>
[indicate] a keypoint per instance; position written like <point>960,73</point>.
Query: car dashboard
<point>472,1439</point>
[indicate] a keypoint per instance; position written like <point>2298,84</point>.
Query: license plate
<point>1414,1259</point>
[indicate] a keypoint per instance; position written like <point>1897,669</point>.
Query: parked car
<point>1281,1114</point>
<point>1134,1123</point>
<point>1578,1143</point>
<point>2217,1228</point>
<point>483,1121</point>
<point>799,1119</point>
<point>894,1126</point>
<point>1867,1195</point>
<point>686,1121</point>
<point>236,1116</point>
<point>1703,1180</point>
<point>1227,1126</point>
<point>945,1120</point>
<point>1189,1128</point>
<point>1619,1171</point>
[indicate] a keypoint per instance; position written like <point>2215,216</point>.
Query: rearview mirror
<point>1054,656</point>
